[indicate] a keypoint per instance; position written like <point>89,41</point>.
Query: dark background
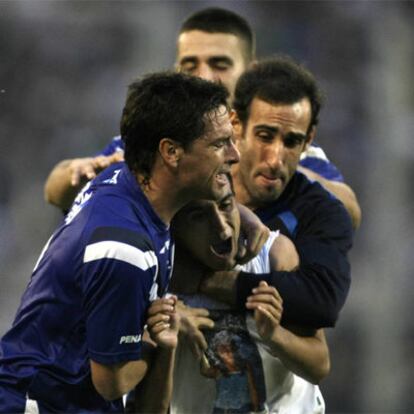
<point>64,69</point>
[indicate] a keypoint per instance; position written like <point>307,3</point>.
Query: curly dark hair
<point>279,79</point>
<point>165,105</point>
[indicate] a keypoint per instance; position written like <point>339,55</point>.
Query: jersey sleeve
<point>314,294</point>
<point>119,281</point>
<point>316,160</point>
<point>115,145</point>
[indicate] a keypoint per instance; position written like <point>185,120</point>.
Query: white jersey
<point>253,381</point>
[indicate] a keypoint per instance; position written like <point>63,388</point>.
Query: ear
<point>310,138</point>
<point>236,124</point>
<point>170,151</point>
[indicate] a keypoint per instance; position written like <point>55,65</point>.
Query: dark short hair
<point>165,105</point>
<point>217,20</point>
<point>279,79</point>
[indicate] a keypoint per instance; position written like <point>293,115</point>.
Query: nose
<point>206,72</point>
<point>275,154</point>
<point>232,153</point>
<point>220,225</point>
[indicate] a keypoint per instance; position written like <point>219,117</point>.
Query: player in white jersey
<point>245,362</point>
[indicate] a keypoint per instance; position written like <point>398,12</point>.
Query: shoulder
<point>312,209</point>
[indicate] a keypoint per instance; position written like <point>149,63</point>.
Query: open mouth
<point>222,178</point>
<point>222,248</point>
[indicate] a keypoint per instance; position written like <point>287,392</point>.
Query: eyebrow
<point>221,58</point>
<point>275,130</point>
<point>212,59</point>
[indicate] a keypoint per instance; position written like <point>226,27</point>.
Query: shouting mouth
<point>222,178</point>
<point>222,248</point>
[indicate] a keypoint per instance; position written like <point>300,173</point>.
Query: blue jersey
<point>87,298</point>
<point>314,159</point>
<point>321,230</point>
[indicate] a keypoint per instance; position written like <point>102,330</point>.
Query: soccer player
<point>277,105</point>
<point>76,344</point>
<point>257,364</point>
<point>217,45</point>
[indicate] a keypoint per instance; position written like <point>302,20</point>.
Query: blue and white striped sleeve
<point>115,145</point>
<point>119,281</point>
<point>316,160</point>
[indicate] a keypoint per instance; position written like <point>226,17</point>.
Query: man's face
<point>216,57</point>
<point>210,230</point>
<point>270,145</point>
<point>206,163</point>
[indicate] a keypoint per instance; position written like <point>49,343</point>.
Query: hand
<point>84,169</point>
<point>267,306</point>
<point>256,234</point>
<point>192,320</point>
<point>163,322</point>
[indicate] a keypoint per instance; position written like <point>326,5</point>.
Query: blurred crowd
<point>64,69</point>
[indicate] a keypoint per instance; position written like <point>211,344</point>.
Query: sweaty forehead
<point>197,43</point>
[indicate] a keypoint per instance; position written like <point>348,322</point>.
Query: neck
<point>162,194</point>
<point>242,195</point>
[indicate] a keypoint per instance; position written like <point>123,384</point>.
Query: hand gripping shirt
<point>243,376</point>
<point>87,298</point>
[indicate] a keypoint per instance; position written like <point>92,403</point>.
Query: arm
<point>68,177</point>
<point>113,381</point>
<point>153,394</point>
<point>314,293</point>
<point>304,353</point>
<point>341,191</point>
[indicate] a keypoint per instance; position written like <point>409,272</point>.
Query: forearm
<point>113,381</point>
<point>306,356</point>
<point>312,296</point>
<point>58,189</point>
<point>153,394</point>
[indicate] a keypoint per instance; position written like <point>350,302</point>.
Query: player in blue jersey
<point>217,45</point>
<point>277,103</point>
<point>77,343</point>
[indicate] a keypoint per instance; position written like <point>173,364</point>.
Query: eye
<point>220,143</point>
<point>292,141</point>
<point>264,136</point>
<point>188,67</point>
<point>221,63</point>
<point>221,66</point>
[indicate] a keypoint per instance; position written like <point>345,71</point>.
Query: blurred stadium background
<point>64,69</point>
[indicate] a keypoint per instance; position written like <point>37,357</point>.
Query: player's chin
<point>221,263</point>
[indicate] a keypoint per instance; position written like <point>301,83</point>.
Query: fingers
<point>81,168</point>
<point>197,344</point>
<point>117,157</point>
<point>266,297</point>
<point>189,311</point>
<point>255,240</point>
<point>163,305</point>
